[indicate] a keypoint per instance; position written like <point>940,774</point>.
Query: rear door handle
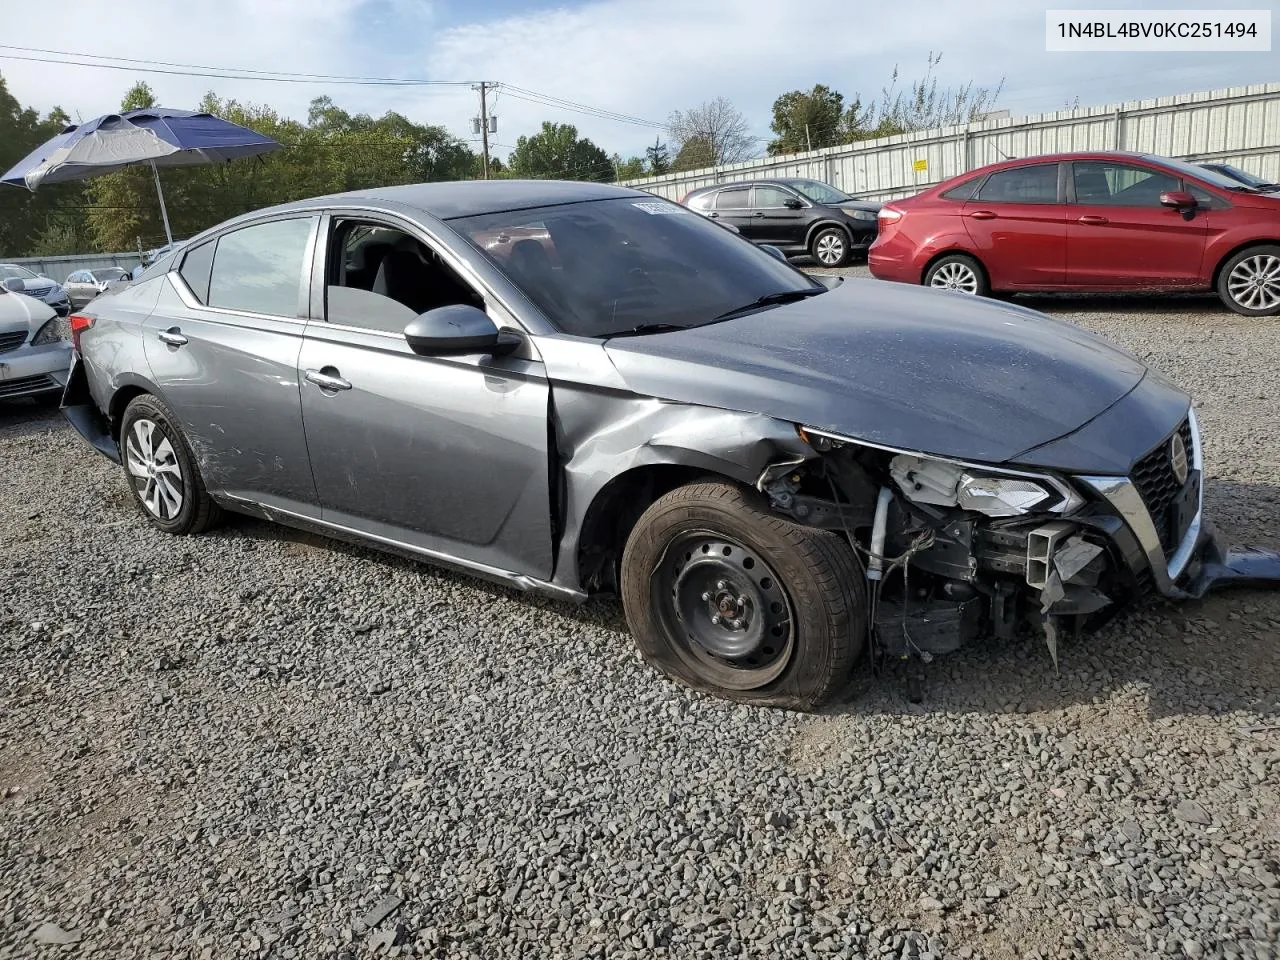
<point>1093,221</point>
<point>173,337</point>
<point>327,381</point>
<point>758,213</point>
<point>982,215</point>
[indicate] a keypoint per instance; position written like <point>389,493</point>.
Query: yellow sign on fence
<point>920,166</point>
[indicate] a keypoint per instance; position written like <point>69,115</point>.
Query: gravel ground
<point>258,743</point>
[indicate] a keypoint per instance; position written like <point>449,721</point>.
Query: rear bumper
<point>887,265</point>
<point>83,414</point>
<point>31,371</point>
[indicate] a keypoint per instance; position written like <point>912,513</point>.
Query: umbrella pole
<point>164,214</point>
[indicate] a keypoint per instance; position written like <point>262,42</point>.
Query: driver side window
<point>380,277</point>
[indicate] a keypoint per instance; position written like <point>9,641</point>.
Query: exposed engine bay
<point>951,550</point>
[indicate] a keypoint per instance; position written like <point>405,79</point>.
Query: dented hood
<point>894,365</point>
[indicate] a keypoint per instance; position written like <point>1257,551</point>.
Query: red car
<point>1088,222</point>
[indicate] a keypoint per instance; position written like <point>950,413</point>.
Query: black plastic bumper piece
<point>1222,567</point>
<point>83,414</point>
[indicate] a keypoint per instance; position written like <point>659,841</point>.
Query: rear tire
<point>830,247</point>
<point>1249,283</point>
<point>726,597</point>
<point>161,470</point>
<point>960,273</point>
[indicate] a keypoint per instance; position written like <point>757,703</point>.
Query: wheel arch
<point>820,225</point>
<point>1238,248</point>
<point>953,251</point>
<point>126,389</point>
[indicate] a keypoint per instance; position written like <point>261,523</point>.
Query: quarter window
<point>195,269</point>
<point>736,199</point>
<point>964,191</point>
<point>258,269</point>
<point>1120,185</point>
<point>1034,184</point>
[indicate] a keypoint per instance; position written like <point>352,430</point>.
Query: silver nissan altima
<point>576,388</point>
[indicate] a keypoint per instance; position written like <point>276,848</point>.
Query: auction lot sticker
<point>1094,31</point>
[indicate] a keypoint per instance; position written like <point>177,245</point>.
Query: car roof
<point>765,181</point>
<point>466,198</point>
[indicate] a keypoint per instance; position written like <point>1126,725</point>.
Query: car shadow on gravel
<point>19,418</point>
<point>1184,305</point>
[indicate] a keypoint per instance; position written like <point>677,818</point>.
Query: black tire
<point>195,512</point>
<point>705,545</point>
<point>1239,272</point>
<point>830,247</point>
<point>959,272</point>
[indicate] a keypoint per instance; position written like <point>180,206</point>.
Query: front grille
<point>12,341</point>
<point>1154,477</point>
<point>20,385</point>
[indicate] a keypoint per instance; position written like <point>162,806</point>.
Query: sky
<point>641,58</point>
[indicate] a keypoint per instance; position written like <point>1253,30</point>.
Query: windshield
<point>110,273</point>
<point>606,267</point>
<point>1243,175</point>
<point>1211,177</point>
<point>818,192</point>
<point>11,271</point>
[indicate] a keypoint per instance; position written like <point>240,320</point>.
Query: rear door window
<point>738,198</point>
<point>258,269</point>
<point>1037,183</point>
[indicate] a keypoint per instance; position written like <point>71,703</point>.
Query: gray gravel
<point>257,743</point>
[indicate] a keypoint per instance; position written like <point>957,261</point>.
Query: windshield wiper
<point>769,300</point>
<point>642,328</point>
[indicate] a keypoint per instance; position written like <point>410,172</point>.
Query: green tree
<point>556,151</point>
<point>25,215</point>
<point>695,154</point>
<point>807,120</point>
<point>657,157</point>
<point>628,169</point>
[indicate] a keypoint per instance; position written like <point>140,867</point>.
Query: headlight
<point>991,493</point>
<point>54,330</point>
<point>861,214</point>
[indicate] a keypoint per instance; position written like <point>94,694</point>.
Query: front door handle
<point>758,214</point>
<point>1094,221</point>
<point>173,337</point>
<point>713,215</point>
<point>326,378</point>
<point>982,215</point>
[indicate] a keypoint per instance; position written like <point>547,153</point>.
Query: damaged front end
<point>951,550</point>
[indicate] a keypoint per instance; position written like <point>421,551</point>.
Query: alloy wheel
<point>830,249</point>
<point>955,276</point>
<point>153,466</point>
<point>729,608</point>
<point>1254,282</point>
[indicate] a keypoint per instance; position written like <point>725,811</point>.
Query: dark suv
<point>797,216</point>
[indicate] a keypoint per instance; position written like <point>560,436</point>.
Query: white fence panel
<point>1239,125</point>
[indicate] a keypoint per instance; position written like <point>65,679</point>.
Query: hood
<point>894,365</point>
<point>869,205</point>
<point>18,311</point>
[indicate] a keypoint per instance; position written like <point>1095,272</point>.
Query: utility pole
<point>807,138</point>
<point>484,126</point>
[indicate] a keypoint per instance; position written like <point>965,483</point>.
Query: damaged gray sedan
<point>575,388</point>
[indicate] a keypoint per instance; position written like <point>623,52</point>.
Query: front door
<point>1118,234</point>
<point>444,454</point>
<point>775,222</point>
<point>1017,223</point>
<point>223,345</point>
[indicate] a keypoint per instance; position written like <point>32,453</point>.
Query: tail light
<point>80,322</point>
<point>889,215</point>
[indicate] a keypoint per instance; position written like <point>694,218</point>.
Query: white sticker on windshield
<point>655,207</point>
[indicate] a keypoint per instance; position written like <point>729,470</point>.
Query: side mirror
<point>773,251</point>
<point>1178,199</point>
<point>15,285</point>
<point>456,328</point>
<point>791,203</point>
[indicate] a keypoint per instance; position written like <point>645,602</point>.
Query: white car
<point>35,348</point>
<point>83,285</point>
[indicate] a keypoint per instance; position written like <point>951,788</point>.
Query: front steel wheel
<point>727,597</point>
<point>1249,282</point>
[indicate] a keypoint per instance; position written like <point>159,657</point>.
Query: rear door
<point>733,205</point>
<point>1018,224</point>
<point>449,454</point>
<point>1118,234</point>
<point>773,221</point>
<point>223,347</point>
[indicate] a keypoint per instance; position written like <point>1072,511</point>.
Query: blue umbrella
<point>156,136</point>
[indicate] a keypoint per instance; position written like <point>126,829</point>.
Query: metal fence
<point>59,268</point>
<point>1239,125</point>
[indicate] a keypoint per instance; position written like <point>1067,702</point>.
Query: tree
<point>657,157</point>
<point>807,121</point>
<point>695,154</point>
<point>923,106</point>
<point>25,215</point>
<point>556,151</point>
<point>719,128</point>
<point>629,169</point>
